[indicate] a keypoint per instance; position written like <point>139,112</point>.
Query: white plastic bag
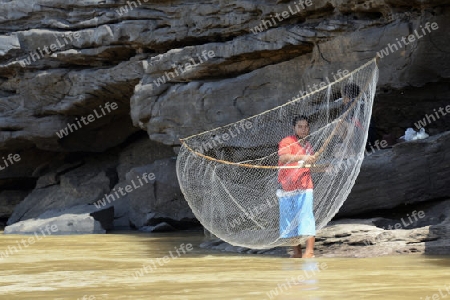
<point>422,134</point>
<point>410,134</point>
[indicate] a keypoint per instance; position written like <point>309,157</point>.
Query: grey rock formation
<point>81,219</point>
<point>113,180</point>
<point>64,188</point>
<point>109,54</point>
<point>300,56</point>
<point>154,198</point>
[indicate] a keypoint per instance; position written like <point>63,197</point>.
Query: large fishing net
<point>243,191</point>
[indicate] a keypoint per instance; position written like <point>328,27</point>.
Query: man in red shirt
<point>296,198</point>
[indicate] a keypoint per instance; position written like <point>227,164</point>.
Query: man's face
<point>301,128</point>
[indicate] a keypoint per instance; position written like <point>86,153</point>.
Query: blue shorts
<point>296,213</point>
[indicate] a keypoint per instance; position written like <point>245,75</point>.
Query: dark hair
<point>351,90</point>
<point>299,118</point>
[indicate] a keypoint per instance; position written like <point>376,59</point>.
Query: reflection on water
<point>161,266</point>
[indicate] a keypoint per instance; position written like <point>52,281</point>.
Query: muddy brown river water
<point>131,265</point>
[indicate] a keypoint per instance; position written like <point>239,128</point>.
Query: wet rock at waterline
<point>161,227</point>
<point>362,240</point>
<point>424,229</point>
<point>82,219</point>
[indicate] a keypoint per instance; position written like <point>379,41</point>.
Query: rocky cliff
<point>95,94</point>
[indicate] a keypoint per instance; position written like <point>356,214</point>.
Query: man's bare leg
<point>309,247</point>
<point>297,251</point>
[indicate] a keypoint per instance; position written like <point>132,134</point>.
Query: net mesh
<point>259,183</point>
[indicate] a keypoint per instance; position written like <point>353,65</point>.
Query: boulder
<point>66,187</point>
<point>81,219</point>
<point>148,196</point>
<point>409,172</point>
<point>118,198</point>
<point>161,199</point>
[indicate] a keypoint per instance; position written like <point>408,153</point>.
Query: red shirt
<point>294,179</point>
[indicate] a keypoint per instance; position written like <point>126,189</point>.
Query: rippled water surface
<point>112,267</point>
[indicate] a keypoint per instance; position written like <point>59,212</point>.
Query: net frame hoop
<point>250,165</point>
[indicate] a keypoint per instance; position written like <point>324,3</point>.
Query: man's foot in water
<point>297,252</point>
<point>308,255</point>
